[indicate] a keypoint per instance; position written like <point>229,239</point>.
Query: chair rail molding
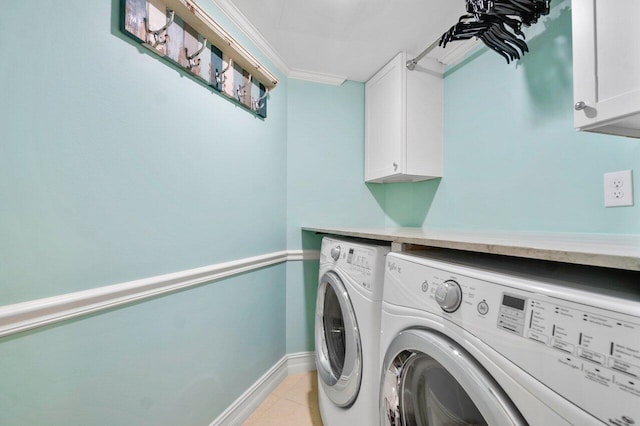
<point>25,316</point>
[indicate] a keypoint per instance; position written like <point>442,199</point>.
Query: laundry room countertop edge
<point>618,251</point>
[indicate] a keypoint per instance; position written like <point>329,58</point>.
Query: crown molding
<point>246,27</point>
<point>456,52</point>
<point>317,77</point>
<point>239,20</point>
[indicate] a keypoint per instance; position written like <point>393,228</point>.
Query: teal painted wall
<point>302,286</point>
<point>512,158</point>
<point>114,167</point>
<point>325,167</point>
<point>325,186</point>
<point>176,360</point>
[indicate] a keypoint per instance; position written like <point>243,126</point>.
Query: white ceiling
<point>351,39</point>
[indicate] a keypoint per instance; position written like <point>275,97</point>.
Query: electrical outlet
<point>618,189</point>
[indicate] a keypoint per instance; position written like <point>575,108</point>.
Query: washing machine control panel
<point>353,258</point>
<point>360,262</point>
<point>585,347</point>
<point>361,259</point>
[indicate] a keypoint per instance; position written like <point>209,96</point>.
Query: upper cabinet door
<point>403,137</point>
<point>606,66</point>
<point>384,122</point>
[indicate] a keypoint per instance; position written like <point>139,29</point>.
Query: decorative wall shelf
<point>183,34</point>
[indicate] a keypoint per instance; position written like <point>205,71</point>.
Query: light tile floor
<point>293,403</point>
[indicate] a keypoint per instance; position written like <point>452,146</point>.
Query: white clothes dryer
<point>347,330</point>
<point>471,339</point>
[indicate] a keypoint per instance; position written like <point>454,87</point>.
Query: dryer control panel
<point>608,341</point>
<point>584,346</point>
<point>590,356</point>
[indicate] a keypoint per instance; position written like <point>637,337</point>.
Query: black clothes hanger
<point>498,23</point>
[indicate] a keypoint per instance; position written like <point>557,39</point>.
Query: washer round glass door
<point>338,346</point>
<point>430,380</point>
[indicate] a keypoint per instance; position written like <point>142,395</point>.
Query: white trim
<point>456,52</point>
<point>301,362</point>
<point>317,77</point>
<point>239,20</point>
<point>246,403</point>
<point>297,255</point>
<point>251,32</point>
<point>241,408</point>
<point>38,313</point>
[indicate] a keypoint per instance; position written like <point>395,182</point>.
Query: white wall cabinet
<point>606,66</point>
<point>403,123</point>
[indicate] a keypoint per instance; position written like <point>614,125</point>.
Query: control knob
<point>335,253</point>
<point>449,296</point>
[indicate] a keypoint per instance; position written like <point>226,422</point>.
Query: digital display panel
<point>350,256</point>
<point>513,302</point>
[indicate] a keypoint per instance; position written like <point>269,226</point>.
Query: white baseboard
<point>301,362</point>
<point>246,403</point>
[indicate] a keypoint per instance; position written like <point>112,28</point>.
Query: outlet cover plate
<point>618,189</point>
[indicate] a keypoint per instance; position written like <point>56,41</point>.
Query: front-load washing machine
<point>469,339</point>
<point>347,329</point>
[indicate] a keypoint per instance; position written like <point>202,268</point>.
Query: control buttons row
<point>361,262</point>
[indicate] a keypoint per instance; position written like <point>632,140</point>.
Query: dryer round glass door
<point>430,380</point>
<point>338,346</point>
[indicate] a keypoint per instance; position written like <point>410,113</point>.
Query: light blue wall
<point>512,158</point>
<point>302,287</point>
<point>325,167</point>
<point>325,186</point>
<point>113,167</point>
<point>176,360</point>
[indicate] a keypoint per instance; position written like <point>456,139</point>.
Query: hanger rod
<point>411,63</point>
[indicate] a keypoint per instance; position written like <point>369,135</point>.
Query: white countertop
<point>606,250</point>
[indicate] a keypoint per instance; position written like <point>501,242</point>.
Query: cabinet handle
<point>580,106</point>
<point>395,166</point>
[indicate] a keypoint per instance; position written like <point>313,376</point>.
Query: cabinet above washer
<point>606,66</point>
<point>404,121</point>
